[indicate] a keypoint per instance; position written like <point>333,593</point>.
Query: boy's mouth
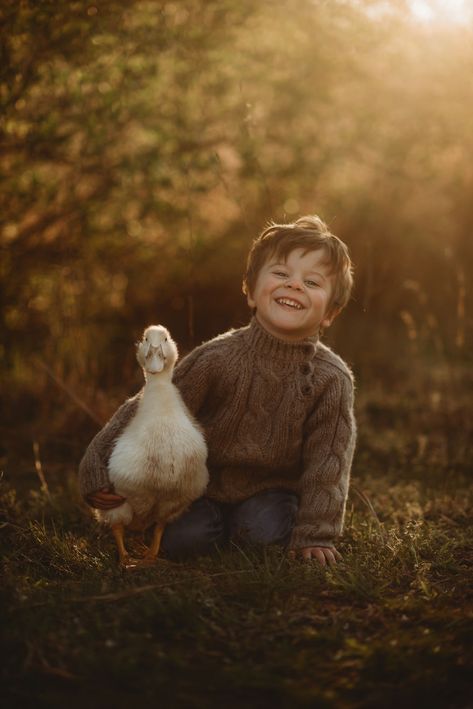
<point>289,302</point>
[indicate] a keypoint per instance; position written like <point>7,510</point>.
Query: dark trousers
<point>266,518</point>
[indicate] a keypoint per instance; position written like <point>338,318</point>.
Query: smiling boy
<point>276,406</point>
<point>283,306</point>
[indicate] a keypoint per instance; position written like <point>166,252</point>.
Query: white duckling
<point>158,463</point>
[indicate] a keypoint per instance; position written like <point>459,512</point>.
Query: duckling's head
<point>157,351</point>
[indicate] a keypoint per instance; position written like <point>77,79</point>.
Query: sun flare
<point>445,11</point>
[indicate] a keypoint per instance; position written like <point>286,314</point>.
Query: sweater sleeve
<point>327,457</point>
<point>193,376</point>
<point>93,468</point>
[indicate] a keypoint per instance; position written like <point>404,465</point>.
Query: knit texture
<point>93,468</point>
<point>275,415</point>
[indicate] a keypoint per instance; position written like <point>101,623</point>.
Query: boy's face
<point>292,297</point>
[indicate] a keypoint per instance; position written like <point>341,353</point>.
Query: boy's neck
<point>264,344</point>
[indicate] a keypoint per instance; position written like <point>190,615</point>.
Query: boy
<point>276,406</point>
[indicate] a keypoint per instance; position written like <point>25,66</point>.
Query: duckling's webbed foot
<point>150,557</point>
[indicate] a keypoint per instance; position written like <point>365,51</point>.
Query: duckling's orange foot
<point>128,563</point>
<point>148,560</point>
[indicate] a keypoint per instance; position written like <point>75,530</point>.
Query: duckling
<point>158,462</point>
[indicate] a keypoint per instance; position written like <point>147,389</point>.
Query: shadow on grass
<point>389,625</point>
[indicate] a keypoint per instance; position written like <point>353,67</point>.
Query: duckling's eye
<point>165,339</point>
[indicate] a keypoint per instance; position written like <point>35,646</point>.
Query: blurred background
<point>143,145</point>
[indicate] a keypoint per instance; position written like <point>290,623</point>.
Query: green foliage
<point>144,144</point>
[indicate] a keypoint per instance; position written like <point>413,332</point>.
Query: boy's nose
<point>294,282</point>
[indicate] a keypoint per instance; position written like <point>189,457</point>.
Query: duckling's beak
<point>155,360</point>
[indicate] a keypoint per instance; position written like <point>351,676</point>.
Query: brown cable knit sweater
<point>275,415</point>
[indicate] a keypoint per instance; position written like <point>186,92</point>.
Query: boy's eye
<point>312,284</point>
<point>280,273</point>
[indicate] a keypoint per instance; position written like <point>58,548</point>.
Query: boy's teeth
<point>292,303</point>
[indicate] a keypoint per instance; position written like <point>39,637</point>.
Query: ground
<point>390,626</point>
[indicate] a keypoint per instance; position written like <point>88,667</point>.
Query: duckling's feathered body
<point>158,463</point>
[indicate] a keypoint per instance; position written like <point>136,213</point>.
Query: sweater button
<point>306,390</point>
<point>305,368</point>
<point>309,349</point>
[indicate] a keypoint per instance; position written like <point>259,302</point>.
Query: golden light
<point>444,11</point>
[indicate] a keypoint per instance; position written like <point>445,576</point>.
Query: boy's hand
<point>324,555</point>
<point>105,499</point>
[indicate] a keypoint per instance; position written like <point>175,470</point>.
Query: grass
<point>390,626</point>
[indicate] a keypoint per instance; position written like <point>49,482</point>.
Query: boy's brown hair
<point>311,234</point>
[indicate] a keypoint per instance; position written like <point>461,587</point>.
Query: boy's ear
<point>330,317</point>
<point>250,300</point>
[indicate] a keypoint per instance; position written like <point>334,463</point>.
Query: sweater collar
<point>261,342</point>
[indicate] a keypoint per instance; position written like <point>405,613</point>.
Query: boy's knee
<point>266,518</point>
<point>196,532</point>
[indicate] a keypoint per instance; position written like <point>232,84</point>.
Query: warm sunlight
<point>280,516</point>
<point>453,11</point>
